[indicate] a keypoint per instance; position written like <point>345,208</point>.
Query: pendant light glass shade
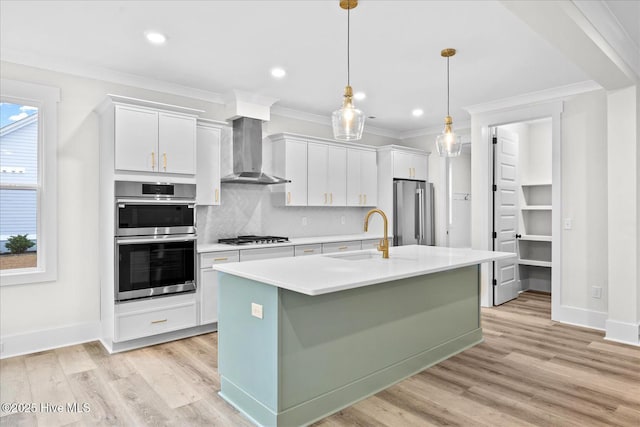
<point>448,143</point>
<point>348,121</point>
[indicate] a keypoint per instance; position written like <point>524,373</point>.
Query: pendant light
<point>348,121</point>
<point>448,143</point>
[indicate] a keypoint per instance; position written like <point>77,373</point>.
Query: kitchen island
<point>300,338</point>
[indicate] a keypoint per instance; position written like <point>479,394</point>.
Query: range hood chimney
<point>249,111</point>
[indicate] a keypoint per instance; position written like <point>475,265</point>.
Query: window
<point>28,141</point>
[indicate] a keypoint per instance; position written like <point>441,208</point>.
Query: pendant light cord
<point>448,86</point>
<point>348,32</point>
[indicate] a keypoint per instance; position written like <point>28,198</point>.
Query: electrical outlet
<point>596,292</point>
<point>304,221</point>
<point>568,223</point>
<point>256,310</point>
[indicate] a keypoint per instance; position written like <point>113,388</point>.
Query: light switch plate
<point>568,223</point>
<point>256,310</point>
<point>596,292</point>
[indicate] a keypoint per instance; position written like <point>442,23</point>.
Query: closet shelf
<point>534,262</point>
<point>536,208</point>
<point>535,238</point>
<point>536,184</point>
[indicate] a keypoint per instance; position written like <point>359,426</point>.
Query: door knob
<point>518,236</point>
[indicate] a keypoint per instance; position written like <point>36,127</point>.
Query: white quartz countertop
<point>323,274</point>
<point>294,241</point>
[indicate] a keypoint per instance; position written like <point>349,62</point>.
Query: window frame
<point>46,98</point>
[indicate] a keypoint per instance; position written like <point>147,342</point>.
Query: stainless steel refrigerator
<point>412,213</point>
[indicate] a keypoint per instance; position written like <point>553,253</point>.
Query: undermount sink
<point>356,256</point>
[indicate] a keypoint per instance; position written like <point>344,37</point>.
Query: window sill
<point>26,276</point>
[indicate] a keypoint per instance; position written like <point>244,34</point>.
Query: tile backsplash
<point>253,209</point>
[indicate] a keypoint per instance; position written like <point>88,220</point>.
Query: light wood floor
<point>529,371</point>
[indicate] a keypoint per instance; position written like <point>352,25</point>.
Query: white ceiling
<point>218,46</point>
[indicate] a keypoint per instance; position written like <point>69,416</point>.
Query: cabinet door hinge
<point>495,282</point>
<point>495,235</point>
<point>495,187</point>
<point>495,140</point>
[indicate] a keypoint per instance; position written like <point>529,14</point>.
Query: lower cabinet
<point>373,243</point>
<point>328,248</point>
<point>313,249</point>
<point>208,283</point>
<point>137,319</point>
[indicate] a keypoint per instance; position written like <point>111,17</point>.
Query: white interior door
<point>505,208</point>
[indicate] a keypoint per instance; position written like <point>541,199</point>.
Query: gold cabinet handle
<point>307,251</point>
<point>158,321</point>
<point>325,198</point>
<point>359,199</point>
<point>217,195</point>
<point>164,161</point>
<point>342,248</point>
<point>365,199</point>
<point>289,198</point>
<point>221,259</point>
<point>330,198</point>
<point>153,160</point>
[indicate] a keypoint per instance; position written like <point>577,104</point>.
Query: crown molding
<point>605,29</point>
<point>534,97</point>
<point>325,120</point>
<point>105,74</point>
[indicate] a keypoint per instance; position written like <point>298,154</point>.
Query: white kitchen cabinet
<point>150,140</point>
<point>362,178</point>
<point>409,165</point>
<point>328,248</point>
<point>208,283</point>
<point>266,253</point>
<point>208,166</point>
<point>147,317</point>
<point>290,162</point>
<point>312,249</point>
<point>326,175</point>
<point>176,143</point>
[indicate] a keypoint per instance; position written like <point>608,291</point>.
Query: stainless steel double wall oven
<point>155,239</point>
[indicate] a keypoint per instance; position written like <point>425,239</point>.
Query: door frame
<point>481,188</point>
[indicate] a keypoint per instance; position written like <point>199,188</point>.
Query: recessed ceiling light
<point>278,73</point>
<point>155,38</point>
<point>417,112</point>
<point>359,96</point>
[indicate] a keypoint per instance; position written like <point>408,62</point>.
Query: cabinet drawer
<point>328,248</point>
<point>155,321</point>
<point>209,259</point>
<point>303,250</point>
<point>265,253</point>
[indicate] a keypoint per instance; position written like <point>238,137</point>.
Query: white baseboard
<point>47,339</point>
<point>626,333</point>
<point>580,317</point>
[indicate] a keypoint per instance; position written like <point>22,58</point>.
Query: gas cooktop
<point>253,240</point>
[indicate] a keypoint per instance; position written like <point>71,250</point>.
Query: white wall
<point>73,299</point>
<point>584,195</point>
<point>623,323</point>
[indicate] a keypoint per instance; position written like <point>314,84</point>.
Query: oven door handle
<point>123,202</point>
<point>158,239</point>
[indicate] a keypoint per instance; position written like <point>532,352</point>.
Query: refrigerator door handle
<point>422,219</point>
<point>418,216</point>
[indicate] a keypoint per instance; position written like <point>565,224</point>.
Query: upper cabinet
<point>362,177</point>
<point>325,172</point>
<point>208,139</point>
<point>290,162</point>
<point>150,137</point>
<point>326,175</point>
<point>407,165</point>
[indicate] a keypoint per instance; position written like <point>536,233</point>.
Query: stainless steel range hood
<point>247,155</point>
